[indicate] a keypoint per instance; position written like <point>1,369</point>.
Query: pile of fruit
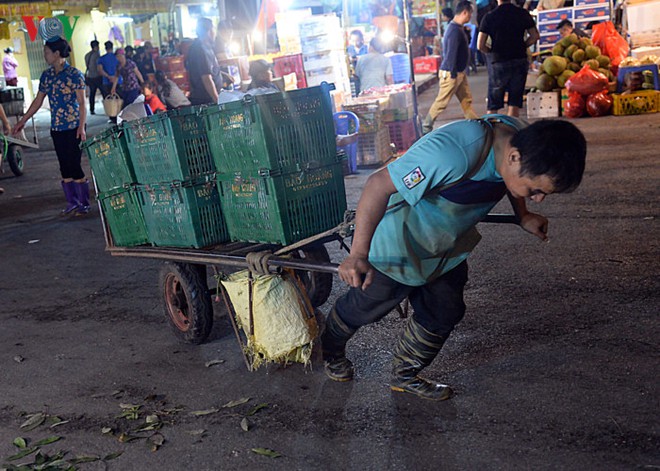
<point>569,56</point>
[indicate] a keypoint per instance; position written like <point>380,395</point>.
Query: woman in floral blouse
<point>65,87</point>
<point>131,78</point>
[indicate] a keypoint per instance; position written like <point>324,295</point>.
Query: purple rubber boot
<point>82,191</point>
<point>71,196</point>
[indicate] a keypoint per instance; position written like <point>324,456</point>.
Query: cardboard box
<point>582,3</point>
<point>599,12</point>
<point>543,105</point>
<point>555,16</point>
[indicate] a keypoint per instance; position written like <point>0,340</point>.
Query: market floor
<point>555,364</point>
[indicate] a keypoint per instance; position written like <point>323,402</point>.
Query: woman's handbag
<point>112,105</point>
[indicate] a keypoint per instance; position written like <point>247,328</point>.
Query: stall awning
<point>18,10</point>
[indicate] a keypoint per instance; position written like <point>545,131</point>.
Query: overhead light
<point>119,19</point>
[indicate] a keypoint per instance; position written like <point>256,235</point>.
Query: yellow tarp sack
<point>283,317</point>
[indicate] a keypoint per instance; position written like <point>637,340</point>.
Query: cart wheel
<point>318,285</point>
<point>187,300</point>
<point>15,159</point>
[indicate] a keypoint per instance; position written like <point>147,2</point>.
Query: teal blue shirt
<point>429,234</point>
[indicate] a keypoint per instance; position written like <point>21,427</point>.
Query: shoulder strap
<point>485,150</point>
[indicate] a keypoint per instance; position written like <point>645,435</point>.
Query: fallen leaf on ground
<point>155,441</point>
<point>33,421</point>
<point>198,413</point>
<point>48,441</point>
<point>106,430</point>
<point>245,424</point>
<point>23,453</point>
<point>84,459</point>
<point>19,359</point>
<point>213,362</point>
<point>237,402</point>
<point>266,452</point>
<point>257,408</point>
<point>20,442</point>
<point>112,456</point>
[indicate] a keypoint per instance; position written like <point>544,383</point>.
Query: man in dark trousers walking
<point>93,79</point>
<point>203,68</point>
<point>511,30</point>
<point>452,76</point>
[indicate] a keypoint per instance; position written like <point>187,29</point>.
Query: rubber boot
<point>71,195</point>
<point>82,192</point>
<point>333,344</point>
<point>427,124</point>
<point>416,350</point>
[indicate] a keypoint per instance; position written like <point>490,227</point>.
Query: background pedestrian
<point>65,87</point>
<point>9,66</point>
<point>93,79</point>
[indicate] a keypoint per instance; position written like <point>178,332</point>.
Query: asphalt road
<point>555,365</point>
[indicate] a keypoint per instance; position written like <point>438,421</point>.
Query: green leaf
<point>257,408</point>
<point>84,459</point>
<point>33,421</point>
<point>245,424</point>
<point>20,442</point>
<point>48,441</point>
<point>237,402</point>
<point>130,406</point>
<point>152,419</point>
<point>198,413</point>
<point>266,452</point>
<point>23,453</point>
<point>112,456</point>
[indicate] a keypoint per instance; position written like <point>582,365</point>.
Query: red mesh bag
<point>587,81</point>
<point>599,104</point>
<point>574,106</point>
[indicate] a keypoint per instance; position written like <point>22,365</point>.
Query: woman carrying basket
<point>65,87</point>
<point>131,78</point>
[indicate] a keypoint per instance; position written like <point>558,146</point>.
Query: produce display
<point>569,56</point>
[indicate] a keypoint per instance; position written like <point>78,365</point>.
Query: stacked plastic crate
<point>374,136</point>
<point>278,173</point>
<point>324,56</point>
<point>175,70</point>
<point>291,63</point>
<point>115,179</point>
<point>156,175</point>
<point>400,67</point>
<point>399,116</point>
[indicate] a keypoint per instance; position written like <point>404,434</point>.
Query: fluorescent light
<point>119,19</point>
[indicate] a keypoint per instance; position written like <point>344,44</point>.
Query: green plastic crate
<point>282,132</point>
<point>184,214</point>
<point>124,217</point>
<point>169,146</point>
<point>109,159</point>
<point>283,209</point>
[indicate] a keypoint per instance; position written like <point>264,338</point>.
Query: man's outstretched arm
<point>370,211</point>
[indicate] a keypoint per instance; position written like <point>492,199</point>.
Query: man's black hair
<point>358,33</point>
<point>108,45</point>
<point>554,148</point>
<point>94,44</point>
<point>462,6</point>
<point>448,12</point>
<point>563,23</point>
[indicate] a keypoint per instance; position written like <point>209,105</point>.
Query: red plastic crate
<point>292,63</point>
<point>426,64</point>
<point>402,134</point>
<point>171,64</point>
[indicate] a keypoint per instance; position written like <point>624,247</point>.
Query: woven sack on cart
<point>283,324</point>
<point>112,105</point>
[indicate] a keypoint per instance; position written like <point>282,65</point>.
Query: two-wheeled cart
<point>11,151</point>
<point>183,279</point>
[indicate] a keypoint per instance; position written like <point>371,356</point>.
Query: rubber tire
<point>187,301</point>
<point>318,285</point>
<point>15,159</point>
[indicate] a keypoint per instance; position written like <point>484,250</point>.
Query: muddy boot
<point>427,124</point>
<point>82,192</point>
<point>416,350</point>
<point>333,344</point>
<point>71,196</point>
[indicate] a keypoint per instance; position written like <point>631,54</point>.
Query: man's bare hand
<point>356,271</point>
<point>535,224</point>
